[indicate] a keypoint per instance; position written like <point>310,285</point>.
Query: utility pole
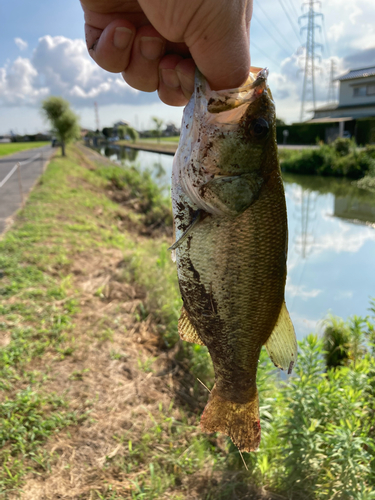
<point>97,116</point>
<point>332,86</point>
<point>310,68</point>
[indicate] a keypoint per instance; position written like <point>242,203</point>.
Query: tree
<point>64,122</point>
<point>133,134</point>
<point>158,126</point>
<point>122,131</point>
<point>107,132</point>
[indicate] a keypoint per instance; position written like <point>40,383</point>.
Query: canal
<point>331,259</point>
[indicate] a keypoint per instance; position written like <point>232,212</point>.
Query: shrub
<point>342,146</point>
<point>338,159</point>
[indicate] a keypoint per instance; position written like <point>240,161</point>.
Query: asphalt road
<point>33,162</point>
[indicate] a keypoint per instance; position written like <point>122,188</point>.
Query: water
<point>331,259</point>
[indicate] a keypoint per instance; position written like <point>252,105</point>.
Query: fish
<point>231,238</point>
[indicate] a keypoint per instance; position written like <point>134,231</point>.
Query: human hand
<point>157,43</point>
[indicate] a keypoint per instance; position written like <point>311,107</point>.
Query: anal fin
<point>186,329</point>
<point>282,344</point>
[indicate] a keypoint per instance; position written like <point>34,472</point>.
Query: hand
<point>157,43</point>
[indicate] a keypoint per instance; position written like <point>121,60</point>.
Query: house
<point>356,105</point>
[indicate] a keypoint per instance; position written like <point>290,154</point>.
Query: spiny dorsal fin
<point>282,344</point>
<point>186,329</point>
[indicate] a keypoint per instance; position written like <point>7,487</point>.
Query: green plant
<point>336,342</point>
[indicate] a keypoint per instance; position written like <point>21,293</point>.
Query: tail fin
<point>238,421</point>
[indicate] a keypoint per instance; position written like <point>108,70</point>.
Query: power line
<point>295,13</point>
<point>325,37</point>
<point>252,44</point>
<point>259,6</point>
<point>290,21</point>
<point>271,35</point>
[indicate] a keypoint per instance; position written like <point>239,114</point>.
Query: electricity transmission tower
<point>332,87</point>
<point>308,92</point>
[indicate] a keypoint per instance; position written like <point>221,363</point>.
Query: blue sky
<point>43,53</point>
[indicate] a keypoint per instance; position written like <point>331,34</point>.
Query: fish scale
<point>231,230</point>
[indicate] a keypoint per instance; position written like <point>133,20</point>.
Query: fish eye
<point>259,128</point>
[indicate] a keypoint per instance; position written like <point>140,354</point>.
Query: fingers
<point>176,82</point>
<point>140,56</point>
<point>111,48</point>
<point>142,71</point>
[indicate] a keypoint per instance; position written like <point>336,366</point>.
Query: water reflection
<point>305,214</point>
<point>158,164</point>
<point>331,260</point>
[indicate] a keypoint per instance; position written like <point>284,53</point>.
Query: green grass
<point>173,139</point>
<point>14,147</point>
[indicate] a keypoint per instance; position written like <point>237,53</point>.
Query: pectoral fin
<point>282,344</point>
<point>186,329</point>
<point>232,195</point>
<point>198,216</point>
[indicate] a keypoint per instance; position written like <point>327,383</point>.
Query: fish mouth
<point>225,100</point>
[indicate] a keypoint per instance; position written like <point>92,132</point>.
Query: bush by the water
<point>341,158</point>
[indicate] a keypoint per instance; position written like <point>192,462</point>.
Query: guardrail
<point>17,168</point>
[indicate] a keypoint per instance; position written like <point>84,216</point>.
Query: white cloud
<point>21,44</point>
<point>300,291</point>
<point>303,325</point>
<point>345,238</point>
<point>18,84</point>
<point>62,66</point>
<point>336,31</point>
<point>356,11</point>
<point>286,85</point>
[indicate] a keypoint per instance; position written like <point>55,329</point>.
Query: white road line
<point>8,176</point>
<point>25,162</point>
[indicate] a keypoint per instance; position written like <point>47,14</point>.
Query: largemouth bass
<point>231,247</point>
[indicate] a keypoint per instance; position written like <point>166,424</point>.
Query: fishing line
<point>204,385</point>
<point>243,460</point>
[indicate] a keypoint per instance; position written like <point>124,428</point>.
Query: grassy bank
<point>152,145</point>
<point>341,158</point>
<point>100,399</point>
<point>14,147</point>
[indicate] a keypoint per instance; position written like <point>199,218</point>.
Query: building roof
<point>327,107</point>
<point>330,120</point>
<point>334,107</point>
<point>357,73</point>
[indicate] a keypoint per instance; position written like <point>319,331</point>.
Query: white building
<point>356,101</point>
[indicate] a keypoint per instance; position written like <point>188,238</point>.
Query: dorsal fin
<point>186,329</point>
<point>282,344</point>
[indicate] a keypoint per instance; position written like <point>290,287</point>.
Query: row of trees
<point>65,125</point>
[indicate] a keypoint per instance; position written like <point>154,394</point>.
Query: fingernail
<point>187,84</point>
<point>170,78</point>
<point>122,37</point>
<point>93,46</point>
<point>151,47</point>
